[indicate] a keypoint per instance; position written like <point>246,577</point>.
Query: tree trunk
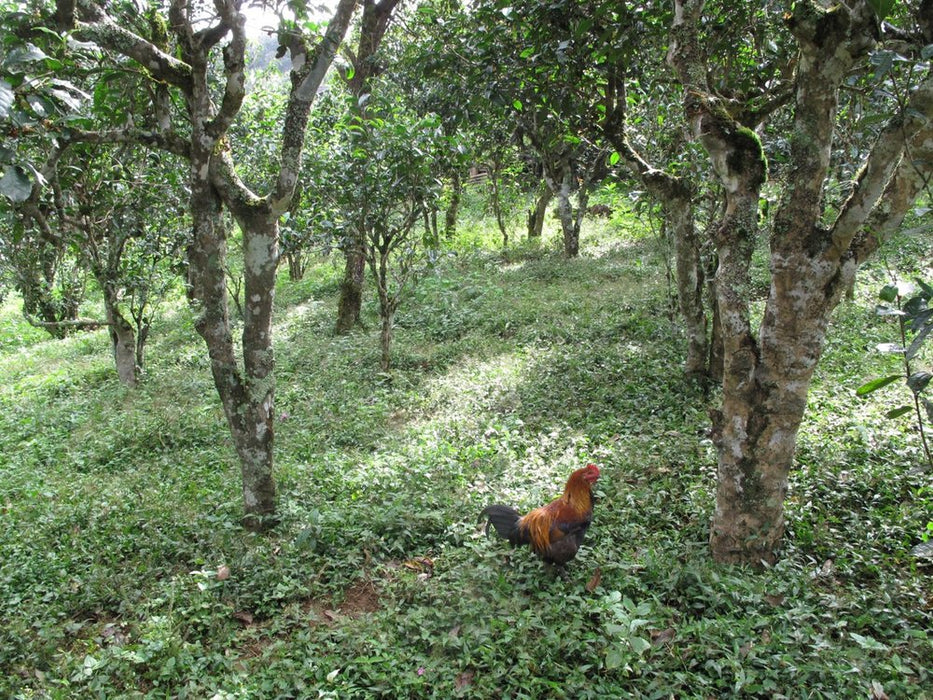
<point>385,338</point>
<point>247,397</point>
<point>373,25</point>
<point>142,336</point>
<point>379,262</point>
<point>690,281</point>
<point>296,266</point>
<point>494,183</point>
<point>122,339</point>
<point>537,215</point>
<point>716,354</point>
<point>248,405</point>
<point>765,382</point>
<point>453,208</point>
<point>676,199</point>
<point>351,289</point>
<point>562,189</point>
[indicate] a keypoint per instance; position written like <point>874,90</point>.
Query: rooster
<point>554,531</point>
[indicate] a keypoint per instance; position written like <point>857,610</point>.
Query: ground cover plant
<point>124,571</point>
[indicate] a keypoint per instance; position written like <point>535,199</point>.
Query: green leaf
<point>517,105</point>
<point>917,342</point>
<point>927,290</point>
<point>18,57</point>
<point>868,642</point>
<point>888,311</point>
<point>882,8</point>
<point>898,412</point>
<point>888,293</point>
<point>639,645</point>
<point>614,158</point>
<point>16,184</point>
<point>875,384</point>
<point>614,658</point>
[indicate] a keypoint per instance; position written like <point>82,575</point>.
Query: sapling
<point>915,321</point>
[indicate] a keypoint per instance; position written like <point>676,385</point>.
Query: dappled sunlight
<point>300,317</point>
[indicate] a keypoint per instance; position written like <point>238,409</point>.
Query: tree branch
<point>307,75</point>
<point>96,25</point>
<point>914,127</point>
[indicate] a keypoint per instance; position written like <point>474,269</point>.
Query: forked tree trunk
<point>296,266</point>
<point>247,395</point>
<point>766,381</point>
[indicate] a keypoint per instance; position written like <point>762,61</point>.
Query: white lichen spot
<point>257,253</point>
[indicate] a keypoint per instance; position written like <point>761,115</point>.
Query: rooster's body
<point>555,531</point>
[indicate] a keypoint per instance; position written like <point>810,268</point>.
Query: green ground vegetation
<point>124,571</point>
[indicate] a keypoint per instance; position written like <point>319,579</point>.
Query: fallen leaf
<point>463,680</point>
<point>243,616</point>
<point>223,572</point>
<point>774,600</point>
<point>659,637</point>
<point>594,581</point>
<point>419,564</point>
<point>877,691</point>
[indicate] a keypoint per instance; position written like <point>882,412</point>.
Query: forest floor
<point>124,571</point>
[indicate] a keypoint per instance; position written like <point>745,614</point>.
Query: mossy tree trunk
<point>766,378</point>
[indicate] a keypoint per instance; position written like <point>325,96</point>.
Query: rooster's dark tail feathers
<point>505,520</point>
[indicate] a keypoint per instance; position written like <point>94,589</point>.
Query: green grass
<point>120,508</point>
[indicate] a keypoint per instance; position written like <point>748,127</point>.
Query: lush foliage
<point>124,571</point>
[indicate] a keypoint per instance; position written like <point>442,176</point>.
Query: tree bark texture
<point>122,339</point>
<point>766,379</point>
<point>560,180</point>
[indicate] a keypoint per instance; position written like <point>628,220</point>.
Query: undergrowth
<point>124,572</point>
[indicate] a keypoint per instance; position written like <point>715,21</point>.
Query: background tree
<point>364,65</point>
<point>36,257</point>
<point>127,229</point>
<point>180,52</point>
